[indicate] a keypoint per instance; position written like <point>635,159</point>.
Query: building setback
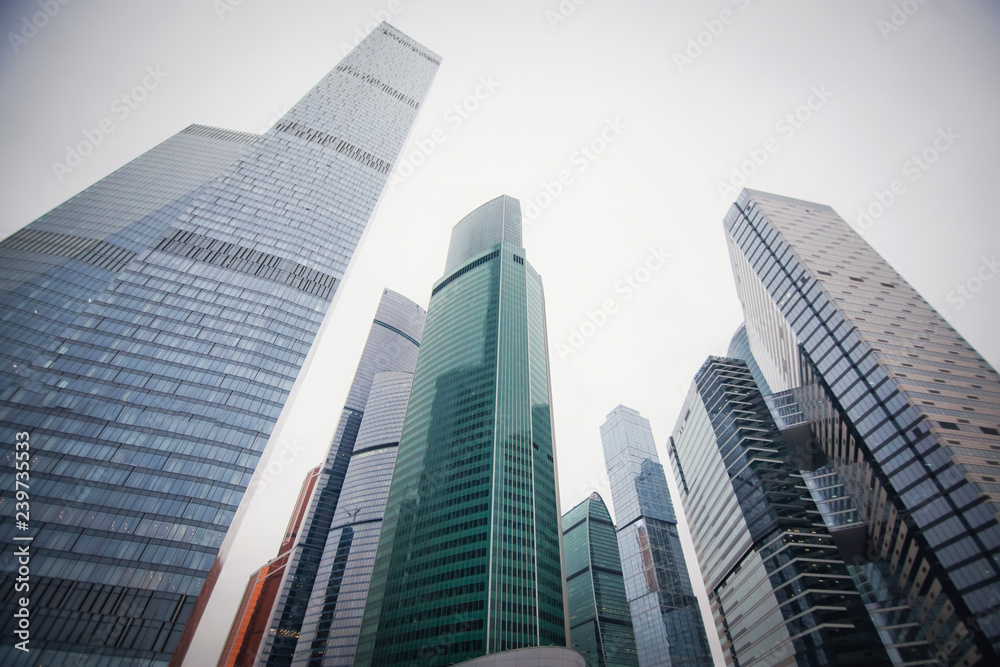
<point>902,408</point>
<point>152,327</point>
<point>780,591</point>
<point>666,618</point>
<point>600,624</point>
<point>469,561</point>
<point>380,382</point>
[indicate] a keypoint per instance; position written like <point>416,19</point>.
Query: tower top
<point>496,221</point>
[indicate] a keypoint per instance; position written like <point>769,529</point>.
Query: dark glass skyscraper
<point>904,410</point>
<point>780,591</point>
<point>600,624</point>
<point>468,560</point>
<point>339,540</point>
<point>151,329</point>
<point>666,617</point>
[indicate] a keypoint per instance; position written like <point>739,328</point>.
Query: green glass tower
<point>599,619</point>
<point>469,561</point>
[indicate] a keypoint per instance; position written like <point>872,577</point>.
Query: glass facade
<point>600,624</point>
<point>469,559</point>
<point>739,348</point>
<point>152,328</point>
<point>250,624</point>
<point>333,619</point>
<point>666,618</point>
<point>907,413</point>
<point>392,346</point>
<point>779,589</point>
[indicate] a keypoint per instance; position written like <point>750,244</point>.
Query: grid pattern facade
<point>666,618</point>
<point>599,619</point>
<point>781,594</point>
<point>155,388</point>
<point>392,345</point>
<point>469,558</point>
<point>906,411</point>
<point>333,619</point>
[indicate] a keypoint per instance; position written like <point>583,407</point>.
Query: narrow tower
<point>600,624</point>
<point>468,561</point>
<point>666,617</point>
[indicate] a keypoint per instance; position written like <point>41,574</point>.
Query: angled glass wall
<point>151,348</point>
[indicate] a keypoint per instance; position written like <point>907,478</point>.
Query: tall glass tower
<point>468,560</point>
<point>666,618</point>
<point>780,591</point>
<point>600,624</point>
<point>339,540</point>
<point>151,329</point>
<point>905,411</point>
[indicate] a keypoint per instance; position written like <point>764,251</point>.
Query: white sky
<point>678,130</point>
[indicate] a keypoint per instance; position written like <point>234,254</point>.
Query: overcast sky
<point>652,114</point>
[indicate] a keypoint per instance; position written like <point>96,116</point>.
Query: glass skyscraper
<point>600,624</point>
<point>317,617</point>
<point>666,618</point>
<point>151,329</point>
<point>250,624</point>
<point>904,410</point>
<point>469,560</point>
<point>780,591</point>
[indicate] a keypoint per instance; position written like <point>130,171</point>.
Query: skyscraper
<point>151,329</point>
<point>600,624</point>
<point>905,411</point>
<point>780,591</point>
<point>359,462</point>
<point>468,561</point>
<point>250,624</point>
<point>666,617</point>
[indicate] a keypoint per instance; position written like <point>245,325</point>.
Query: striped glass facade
<point>666,617</point>
<point>333,619</point>
<point>152,328</point>
<point>907,413</point>
<point>392,346</point>
<point>780,591</point>
<point>469,559</point>
<point>600,624</point>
